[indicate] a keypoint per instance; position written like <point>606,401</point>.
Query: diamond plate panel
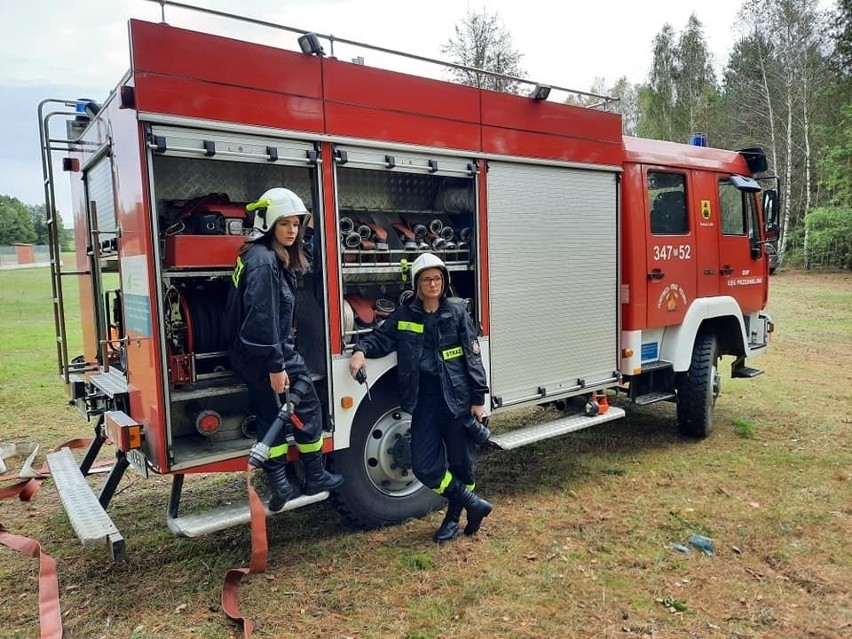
<point>386,191</point>
<point>185,178</point>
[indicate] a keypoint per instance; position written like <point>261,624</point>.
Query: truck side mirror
<point>756,251</point>
<point>771,212</point>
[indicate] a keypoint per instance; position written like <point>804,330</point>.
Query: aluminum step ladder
<point>88,518</point>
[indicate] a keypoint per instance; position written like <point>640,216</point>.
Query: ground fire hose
<point>49,613</point>
<point>259,546</point>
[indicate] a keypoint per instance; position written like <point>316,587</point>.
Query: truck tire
<point>698,388</point>
<point>379,486</point>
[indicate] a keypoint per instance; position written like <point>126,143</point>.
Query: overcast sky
<point>70,49</point>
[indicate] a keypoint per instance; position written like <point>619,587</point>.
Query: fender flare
<point>344,419</point>
<point>677,342</point>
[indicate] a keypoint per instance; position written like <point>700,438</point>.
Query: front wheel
<point>698,388</point>
<point>379,486</point>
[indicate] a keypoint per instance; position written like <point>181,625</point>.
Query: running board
<point>739,369</point>
<point>215,519</point>
<point>653,398</point>
<point>532,434</point>
<point>746,371</point>
<point>88,518</point>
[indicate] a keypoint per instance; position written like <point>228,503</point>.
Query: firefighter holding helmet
<point>442,383</point>
<point>260,313</point>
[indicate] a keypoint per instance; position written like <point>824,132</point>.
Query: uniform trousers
<point>438,440</point>
<point>266,404</point>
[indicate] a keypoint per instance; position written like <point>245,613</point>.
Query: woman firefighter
<point>260,313</point>
<point>442,383</point>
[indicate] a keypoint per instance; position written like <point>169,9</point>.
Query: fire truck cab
<point>592,263</point>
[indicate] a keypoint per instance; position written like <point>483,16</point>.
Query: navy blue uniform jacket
<point>260,311</point>
<point>463,380</point>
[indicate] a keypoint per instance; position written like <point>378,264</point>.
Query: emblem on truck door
<point>669,297</point>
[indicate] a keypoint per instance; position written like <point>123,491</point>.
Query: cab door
<point>705,216</point>
<point>742,264</point>
<point>670,260</point>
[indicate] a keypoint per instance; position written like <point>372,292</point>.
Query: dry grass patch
<point>579,544</point>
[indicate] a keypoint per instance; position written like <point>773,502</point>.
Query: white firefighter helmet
<point>427,261</point>
<point>272,206</point>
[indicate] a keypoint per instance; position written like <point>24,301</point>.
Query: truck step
<point>532,434</point>
<point>653,398</point>
<point>659,365</point>
<point>215,519</point>
<point>88,518</point>
<point>746,371</point>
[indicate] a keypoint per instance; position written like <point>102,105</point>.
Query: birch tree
<point>695,81</point>
<point>681,92</point>
<point>627,105</point>
<point>480,41</point>
<point>657,98</point>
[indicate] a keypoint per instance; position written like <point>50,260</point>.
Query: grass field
<point>579,544</point>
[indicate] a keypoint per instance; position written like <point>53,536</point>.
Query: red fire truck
<point>593,263</point>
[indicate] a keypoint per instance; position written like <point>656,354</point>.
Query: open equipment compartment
<point>200,183</point>
<point>390,210</point>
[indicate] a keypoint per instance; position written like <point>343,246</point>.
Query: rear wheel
<point>379,485</point>
<point>698,388</point>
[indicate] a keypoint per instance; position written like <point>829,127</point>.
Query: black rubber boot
<point>317,478</point>
<point>477,509</point>
<point>450,526</point>
<point>280,487</point>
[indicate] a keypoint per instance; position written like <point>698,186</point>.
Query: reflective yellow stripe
<point>452,353</point>
<point>278,451</point>
<point>414,327</point>
<point>444,483</point>
<point>309,448</point>
<point>238,271</point>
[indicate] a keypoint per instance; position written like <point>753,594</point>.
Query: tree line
<point>786,86</point>
<point>27,224</point>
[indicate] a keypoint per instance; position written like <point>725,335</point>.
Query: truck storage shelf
<point>174,273</point>
<point>228,385</point>
<point>366,269</point>
<point>375,261</point>
<point>194,450</point>
<point>207,389</point>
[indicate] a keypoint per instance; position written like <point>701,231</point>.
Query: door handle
<point>656,274</point>
<point>726,270</point>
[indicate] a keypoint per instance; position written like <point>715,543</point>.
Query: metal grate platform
<point>652,398</point>
<point>532,434</point>
<point>112,382</point>
<point>88,518</point>
<point>203,523</point>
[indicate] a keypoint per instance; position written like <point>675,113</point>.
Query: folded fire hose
<point>362,307</point>
<point>30,480</point>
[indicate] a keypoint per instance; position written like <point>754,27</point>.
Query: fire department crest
<point>474,346</point>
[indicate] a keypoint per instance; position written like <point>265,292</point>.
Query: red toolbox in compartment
<point>201,251</point>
